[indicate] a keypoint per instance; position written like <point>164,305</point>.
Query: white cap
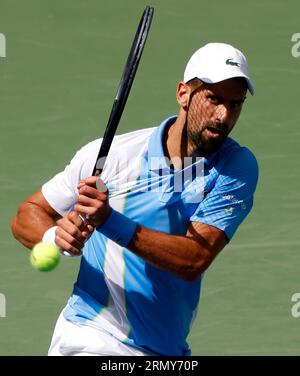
<point>217,62</point>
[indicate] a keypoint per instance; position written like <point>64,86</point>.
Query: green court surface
<point>63,64</point>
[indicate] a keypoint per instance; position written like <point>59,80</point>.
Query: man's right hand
<point>71,233</point>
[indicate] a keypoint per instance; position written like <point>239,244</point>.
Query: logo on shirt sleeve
<point>234,201</point>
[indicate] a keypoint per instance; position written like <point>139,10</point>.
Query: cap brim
<point>250,86</point>
<point>249,83</point>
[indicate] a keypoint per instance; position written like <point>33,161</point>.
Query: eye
<point>213,99</point>
<point>236,104</point>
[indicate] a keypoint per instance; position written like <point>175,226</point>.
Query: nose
<point>222,113</point>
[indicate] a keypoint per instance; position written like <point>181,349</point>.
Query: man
<point>148,242</point>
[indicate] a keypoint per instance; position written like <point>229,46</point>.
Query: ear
<point>183,95</point>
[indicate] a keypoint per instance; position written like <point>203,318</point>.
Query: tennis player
<point>170,199</point>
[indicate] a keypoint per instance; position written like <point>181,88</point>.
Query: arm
<point>190,255</point>
<point>185,256</point>
<point>35,216</point>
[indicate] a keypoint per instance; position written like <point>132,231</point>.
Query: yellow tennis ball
<point>44,256</point>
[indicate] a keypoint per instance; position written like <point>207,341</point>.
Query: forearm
<point>179,255</point>
<point>30,224</point>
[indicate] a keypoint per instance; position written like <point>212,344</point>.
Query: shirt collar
<point>157,161</point>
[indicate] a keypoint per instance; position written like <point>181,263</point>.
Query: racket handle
<point>84,219</point>
<point>85,222</point>
<point>102,188</point>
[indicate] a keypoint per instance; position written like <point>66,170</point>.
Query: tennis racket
<point>120,100</point>
<point>121,97</point>
<point>127,78</point>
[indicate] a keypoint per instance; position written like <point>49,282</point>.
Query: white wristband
<point>49,235</point>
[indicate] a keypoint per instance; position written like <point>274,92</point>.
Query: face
<point>212,112</point>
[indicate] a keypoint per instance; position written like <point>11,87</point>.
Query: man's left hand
<point>92,202</point>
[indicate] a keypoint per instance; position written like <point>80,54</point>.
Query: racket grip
<point>101,188</point>
<point>85,222</point>
<point>84,219</point>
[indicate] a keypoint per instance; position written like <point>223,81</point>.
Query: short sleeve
<point>61,190</point>
<point>231,199</point>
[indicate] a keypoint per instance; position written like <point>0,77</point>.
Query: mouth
<point>215,132</point>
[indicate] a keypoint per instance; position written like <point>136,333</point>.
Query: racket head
<point>125,85</point>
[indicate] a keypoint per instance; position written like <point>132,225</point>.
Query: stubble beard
<point>198,142</point>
